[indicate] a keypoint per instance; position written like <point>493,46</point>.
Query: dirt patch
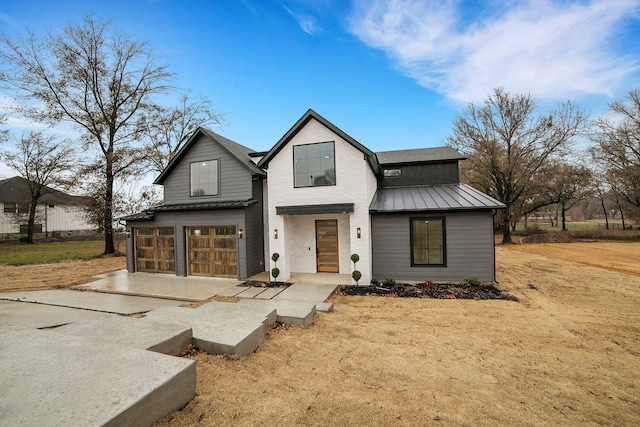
<point>427,290</point>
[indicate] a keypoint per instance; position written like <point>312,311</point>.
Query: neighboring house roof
<point>310,114</point>
<point>419,155</point>
<point>149,214</point>
<point>431,198</point>
<point>240,152</point>
<point>16,190</point>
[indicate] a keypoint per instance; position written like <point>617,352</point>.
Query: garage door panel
<point>212,251</point>
<point>155,250</point>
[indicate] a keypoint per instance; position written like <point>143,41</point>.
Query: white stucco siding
<point>355,183</point>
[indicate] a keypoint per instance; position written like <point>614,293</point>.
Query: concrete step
<point>288,312</point>
<point>133,333</point>
<point>53,379</point>
<point>217,332</point>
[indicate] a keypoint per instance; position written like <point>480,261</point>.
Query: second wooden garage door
<point>211,251</point>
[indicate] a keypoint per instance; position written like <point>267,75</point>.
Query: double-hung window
<point>428,240</point>
<point>205,178</point>
<point>314,165</point>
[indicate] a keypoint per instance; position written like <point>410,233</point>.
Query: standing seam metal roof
<point>433,198</point>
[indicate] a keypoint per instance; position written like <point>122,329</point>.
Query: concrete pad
<point>224,310</point>
<point>132,333</point>
<point>289,312</point>
<point>324,307</point>
<point>269,293</point>
<point>215,334</point>
<point>232,292</point>
<point>108,303</point>
<point>251,292</point>
<point>160,285</point>
<point>51,379</point>
<point>43,316</point>
<point>307,292</point>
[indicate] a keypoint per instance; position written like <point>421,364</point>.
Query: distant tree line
<point>527,159</point>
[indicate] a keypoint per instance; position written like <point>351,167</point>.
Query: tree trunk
<point>506,226</point>
<point>606,215</point>
<point>564,217</point>
<point>109,247</point>
<point>30,222</point>
<point>624,227</point>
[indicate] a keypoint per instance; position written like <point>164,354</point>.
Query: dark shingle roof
<point>16,190</point>
<point>149,214</point>
<point>431,198</point>
<point>419,155</point>
<point>239,152</point>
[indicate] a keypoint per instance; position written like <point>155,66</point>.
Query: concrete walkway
<point>102,367</point>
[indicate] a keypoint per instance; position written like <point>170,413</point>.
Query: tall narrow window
<point>428,241</point>
<point>204,178</point>
<point>314,165</point>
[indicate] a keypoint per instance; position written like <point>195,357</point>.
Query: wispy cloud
<point>307,22</point>
<point>551,49</point>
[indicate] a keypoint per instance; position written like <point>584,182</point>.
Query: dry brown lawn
<point>567,354</point>
<point>56,275</point>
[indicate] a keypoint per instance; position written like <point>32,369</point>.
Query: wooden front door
<point>212,251</point>
<point>327,246</point>
<point>155,250</point>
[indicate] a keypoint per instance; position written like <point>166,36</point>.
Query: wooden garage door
<point>212,251</point>
<point>155,250</point>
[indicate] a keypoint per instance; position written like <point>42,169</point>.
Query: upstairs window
<point>314,165</point>
<point>428,242</point>
<point>205,178</point>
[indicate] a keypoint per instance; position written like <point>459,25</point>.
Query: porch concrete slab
<point>160,285</point>
<point>96,301</point>
<point>133,333</point>
<point>37,316</point>
<point>324,307</point>
<point>269,293</point>
<point>307,292</point>
<point>224,310</point>
<point>215,334</point>
<point>289,312</point>
<point>251,292</point>
<point>56,379</point>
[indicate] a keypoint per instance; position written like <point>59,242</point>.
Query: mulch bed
<point>428,290</point>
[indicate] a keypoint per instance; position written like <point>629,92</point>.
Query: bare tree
<point>508,143</point>
<point>567,185</point>
<point>42,161</point>
<point>165,130</point>
<point>99,81</point>
<point>617,150</point>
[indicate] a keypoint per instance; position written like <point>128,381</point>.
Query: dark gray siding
<point>422,174</point>
<point>181,220</point>
<point>254,233</point>
<point>235,179</point>
<point>469,245</point>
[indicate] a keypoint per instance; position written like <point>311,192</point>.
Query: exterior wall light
<point>275,233</point>
<point>358,232</point>
<point>240,233</point>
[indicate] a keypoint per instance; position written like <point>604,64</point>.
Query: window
<point>388,173</point>
<point>314,165</point>
<point>10,208</point>
<point>428,241</point>
<point>204,178</point>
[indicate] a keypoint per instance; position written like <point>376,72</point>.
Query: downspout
<point>493,243</point>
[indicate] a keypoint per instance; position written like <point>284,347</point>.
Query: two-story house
<point>326,197</point>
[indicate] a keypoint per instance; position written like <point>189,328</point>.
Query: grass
<point>21,254</point>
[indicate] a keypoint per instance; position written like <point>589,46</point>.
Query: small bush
<point>356,275</point>
<point>471,281</point>
<point>355,258</point>
<point>389,282</point>
<point>275,256</point>
<point>275,272</point>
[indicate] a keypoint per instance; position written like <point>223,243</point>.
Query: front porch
<point>310,278</point>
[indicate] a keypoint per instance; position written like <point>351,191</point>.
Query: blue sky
<point>391,73</point>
